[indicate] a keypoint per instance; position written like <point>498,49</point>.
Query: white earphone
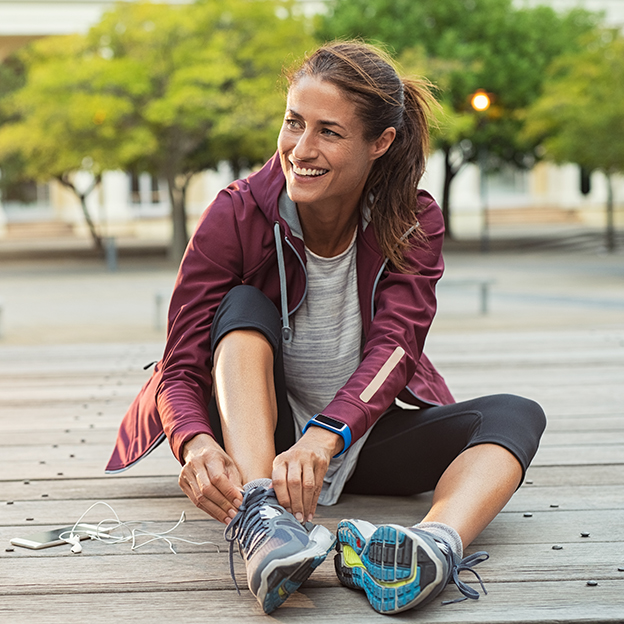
<point>104,528</point>
<point>74,540</point>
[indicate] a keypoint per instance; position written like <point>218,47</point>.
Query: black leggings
<point>408,449</point>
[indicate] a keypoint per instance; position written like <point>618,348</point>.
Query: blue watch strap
<point>343,431</point>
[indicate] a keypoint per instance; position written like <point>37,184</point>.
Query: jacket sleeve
<point>405,305</point>
<point>212,265</point>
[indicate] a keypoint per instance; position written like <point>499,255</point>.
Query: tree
<point>12,76</point>
<point>167,89</point>
<point>210,73</point>
<point>580,116</point>
<point>463,46</point>
<point>62,120</point>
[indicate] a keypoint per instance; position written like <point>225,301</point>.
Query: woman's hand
<point>210,478</point>
<point>298,472</point>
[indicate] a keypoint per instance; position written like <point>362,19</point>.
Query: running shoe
<point>279,552</point>
<point>399,568</point>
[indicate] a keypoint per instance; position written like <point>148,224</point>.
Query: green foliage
<point>12,78</point>
<point>580,116</point>
<point>462,46</point>
<point>62,120</point>
<point>168,89</point>
<point>465,45</point>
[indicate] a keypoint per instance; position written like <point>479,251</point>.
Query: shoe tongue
<point>270,511</point>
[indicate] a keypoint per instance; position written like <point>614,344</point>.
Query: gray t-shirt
<point>326,348</point>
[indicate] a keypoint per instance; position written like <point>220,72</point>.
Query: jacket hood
<point>266,186</point>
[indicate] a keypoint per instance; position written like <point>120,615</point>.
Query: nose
<point>305,148</point>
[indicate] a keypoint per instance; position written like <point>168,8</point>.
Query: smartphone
<point>46,539</point>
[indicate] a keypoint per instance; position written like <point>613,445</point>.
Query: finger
<point>226,487</point>
<point>309,490</point>
<point>280,486</point>
<point>204,494</point>
<point>295,493</point>
<point>194,493</point>
<point>319,474</point>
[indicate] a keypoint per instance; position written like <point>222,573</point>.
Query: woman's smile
<point>306,172</point>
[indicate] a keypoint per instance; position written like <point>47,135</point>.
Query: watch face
<point>331,422</point>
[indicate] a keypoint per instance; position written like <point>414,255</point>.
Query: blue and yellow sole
<point>396,568</point>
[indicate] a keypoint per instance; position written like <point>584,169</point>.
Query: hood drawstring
<point>287,333</point>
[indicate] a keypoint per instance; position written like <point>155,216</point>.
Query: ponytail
<point>392,185</point>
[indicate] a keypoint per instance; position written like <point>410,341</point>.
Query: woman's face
<point>322,149</point>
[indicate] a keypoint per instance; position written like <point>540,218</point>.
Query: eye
<point>330,133</point>
<point>292,124</point>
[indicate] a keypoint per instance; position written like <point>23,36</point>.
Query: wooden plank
<point>579,455</point>
<point>126,485</point>
<point>115,568</point>
<point>506,603</point>
<point>89,462</point>
<point>130,485</point>
<point>64,416</point>
<point>561,431</point>
<point>575,475</point>
<point>40,494</point>
<point>585,437</point>
<point>546,524</point>
<point>586,424</point>
<point>49,437</point>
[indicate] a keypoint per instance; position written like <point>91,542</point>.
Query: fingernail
<point>310,517</point>
<point>288,509</point>
<point>227,520</point>
<point>232,513</point>
<point>238,502</point>
<point>299,516</point>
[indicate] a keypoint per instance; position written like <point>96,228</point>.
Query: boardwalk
<point>59,410</point>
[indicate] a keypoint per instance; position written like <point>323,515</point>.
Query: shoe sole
<point>283,577</point>
<point>397,569</point>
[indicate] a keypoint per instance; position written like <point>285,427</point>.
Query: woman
<point>270,416</point>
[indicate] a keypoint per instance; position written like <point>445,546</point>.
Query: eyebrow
<point>321,122</point>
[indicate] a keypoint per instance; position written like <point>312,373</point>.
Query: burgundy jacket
<point>237,241</point>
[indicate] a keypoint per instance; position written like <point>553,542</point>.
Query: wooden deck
<point>59,410</point>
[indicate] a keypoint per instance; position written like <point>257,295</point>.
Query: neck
<point>327,233</point>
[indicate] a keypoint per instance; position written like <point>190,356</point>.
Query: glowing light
<point>480,101</point>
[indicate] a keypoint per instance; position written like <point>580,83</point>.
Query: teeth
<point>308,172</point>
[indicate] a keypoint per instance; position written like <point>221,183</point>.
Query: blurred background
<point>119,123</point>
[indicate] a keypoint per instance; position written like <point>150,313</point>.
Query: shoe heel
<point>348,534</point>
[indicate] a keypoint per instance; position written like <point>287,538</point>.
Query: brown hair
<point>368,78</point>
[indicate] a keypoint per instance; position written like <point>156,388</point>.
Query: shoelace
<point>467,563</point>
<point>245,526</point>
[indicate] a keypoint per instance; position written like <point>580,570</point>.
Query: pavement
<point>54,296</point>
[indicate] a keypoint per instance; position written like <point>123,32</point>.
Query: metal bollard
<point>110,249</point>
<point>159,300</point>
<point>484,297</point>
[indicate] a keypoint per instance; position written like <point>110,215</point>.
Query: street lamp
<point>480,102</point>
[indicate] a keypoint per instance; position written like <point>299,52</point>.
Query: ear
<point>381,145</point>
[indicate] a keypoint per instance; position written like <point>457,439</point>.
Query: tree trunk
<point>177,195</point>
<point>610,229</point>
<point>97,239</point>
<point>64,180</point>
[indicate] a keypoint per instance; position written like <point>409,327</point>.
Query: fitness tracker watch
<point>331,424</point>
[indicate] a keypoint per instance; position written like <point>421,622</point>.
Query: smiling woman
<point>271,414</point>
